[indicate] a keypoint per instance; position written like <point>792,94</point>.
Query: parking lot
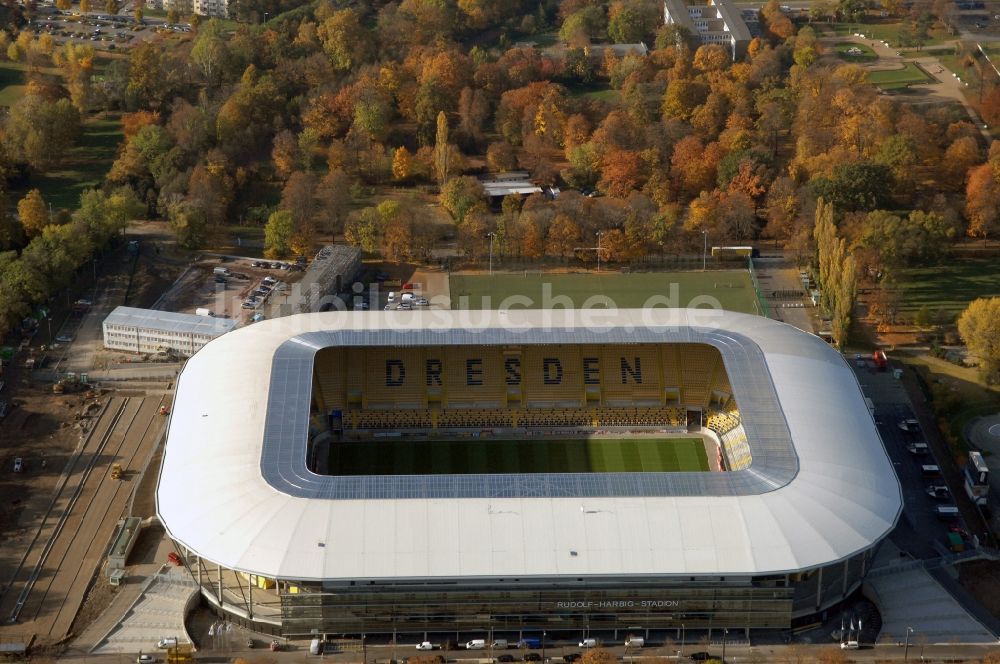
<point>103,31</point>
<point>939,533</point>
<point>231,287</point>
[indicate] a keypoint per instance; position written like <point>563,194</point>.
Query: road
<point>945,86</point>
<point>44,591</point>
<point>761,654</point>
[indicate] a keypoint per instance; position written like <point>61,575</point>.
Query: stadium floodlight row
<point>768,544</point>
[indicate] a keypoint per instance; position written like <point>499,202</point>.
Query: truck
<point>223,271</point>
<point>201,311</point>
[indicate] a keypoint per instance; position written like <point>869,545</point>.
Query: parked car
<point>425,645</point>
<point>144,659</point>
<point>65,338</point>
<point>533,657</point>
<point>505,658</point>
<point>910,426</point>
<point>404,306</point>
<point>18,464</point>
<point>701,656</point>
<point>421,302</point>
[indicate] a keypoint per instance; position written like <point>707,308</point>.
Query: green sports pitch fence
<point>733,290</point>
<point>477,456</point>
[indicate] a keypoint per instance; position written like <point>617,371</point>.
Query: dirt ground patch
<point>43,430</point>
<point>982,579</point>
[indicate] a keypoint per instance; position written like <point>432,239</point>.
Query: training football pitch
<point>731,290</point>
<point>486,455</point>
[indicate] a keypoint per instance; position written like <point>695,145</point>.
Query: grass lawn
<point>85,166</point>
<point>887,32</point>
<point>949,287</point>
<point>11,93</point>
<point>866,54</point>
<point>14,80</point>
<point>483,456</point>
<point>898,78</point>
<point>732,290</point>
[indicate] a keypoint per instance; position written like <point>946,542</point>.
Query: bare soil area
<point>982,579</point>
<point>42,429</point>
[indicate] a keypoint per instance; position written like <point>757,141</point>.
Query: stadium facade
<point>280,542</point>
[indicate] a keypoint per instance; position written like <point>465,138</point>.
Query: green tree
<point>189,224</point>
<point>344,39</point>
<point>979,327</point>
<point>362,230</point>
<point>631,21</point>
<point>173,16</point>
<point>441,150</point>
<point>856,186</point>
<point>278,234</point>
<point>582,26</point>
<point>38,131</point>
<point>462,194</point>
<point>210,54</point>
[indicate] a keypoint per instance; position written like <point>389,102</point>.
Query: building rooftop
<point>234,487</point>
<point>169,321</point>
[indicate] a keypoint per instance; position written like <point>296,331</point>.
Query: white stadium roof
<point>234,489</point>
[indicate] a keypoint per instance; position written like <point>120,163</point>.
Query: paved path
<point>912,598</point>
<point>945,85</point>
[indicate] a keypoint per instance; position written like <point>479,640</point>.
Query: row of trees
<point>838,274</point>
<point>57,247</point>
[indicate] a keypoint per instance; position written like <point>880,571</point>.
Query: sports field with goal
<point>730,289</point>
<point>479,456</point>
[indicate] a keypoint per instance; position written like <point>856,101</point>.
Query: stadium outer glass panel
<point>283,459</point>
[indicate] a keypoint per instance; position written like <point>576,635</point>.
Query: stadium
<point>523,470</point>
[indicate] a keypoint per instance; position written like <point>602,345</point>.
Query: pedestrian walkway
<point>158,612</point>
<point>912,601</point>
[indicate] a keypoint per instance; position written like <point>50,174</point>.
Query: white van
<point>224,271</point>
<point>476,644</point>
<point>500,644</point>
<point>917,448</point>
<point>203,312</point>
<point>315,647</point>
<point>635,642</point>
<point>163,644</point>
<point>589,643</point>
<point>946,512</point>
<point>406,297</point>
<point>392,296</point>
<point>930,470</point>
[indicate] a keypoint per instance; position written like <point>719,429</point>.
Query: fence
<point>762,307</point>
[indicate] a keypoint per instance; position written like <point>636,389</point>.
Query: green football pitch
<point>486,455</point>
<point>731,290</point>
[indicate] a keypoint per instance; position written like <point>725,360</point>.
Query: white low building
<point>149,331</point>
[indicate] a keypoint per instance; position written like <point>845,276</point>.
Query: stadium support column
<point>220,585</point>
<point>819,589</point>
<point>250,578</point>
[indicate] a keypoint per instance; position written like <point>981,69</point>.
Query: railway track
<point>64,567</point>
<point>88,545</point>
<point>61,495</point>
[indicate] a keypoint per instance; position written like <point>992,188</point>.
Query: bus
<point>977,478</point>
